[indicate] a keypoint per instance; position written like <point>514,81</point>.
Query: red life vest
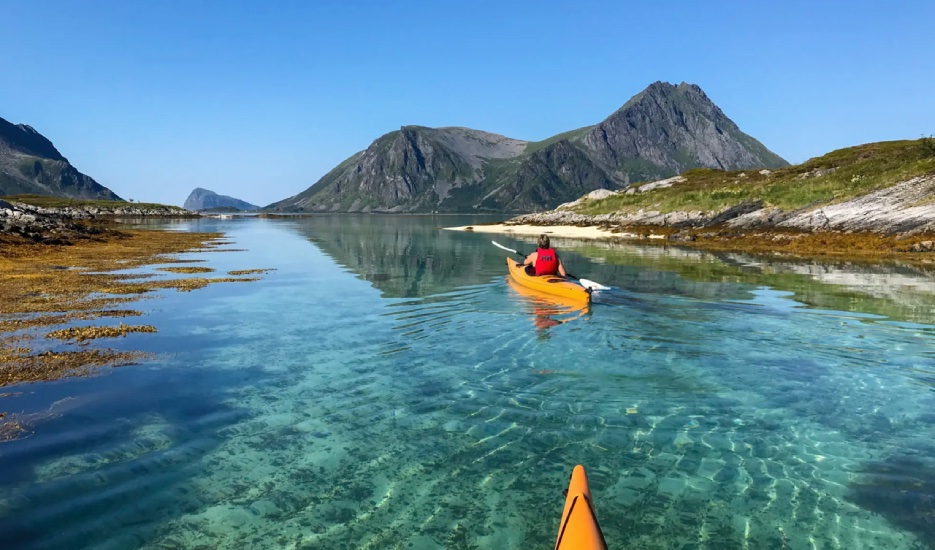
<point>546,261</point>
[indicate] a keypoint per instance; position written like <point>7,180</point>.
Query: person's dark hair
<point>543,241</point>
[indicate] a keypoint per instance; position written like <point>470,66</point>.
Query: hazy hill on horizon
<point>204,199</point>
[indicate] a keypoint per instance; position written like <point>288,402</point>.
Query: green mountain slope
<point>838,176</point>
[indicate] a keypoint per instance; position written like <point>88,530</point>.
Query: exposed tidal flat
<point>94,278</point>
<point>388,389</point>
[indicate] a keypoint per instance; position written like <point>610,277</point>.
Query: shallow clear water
<point>385,388</point>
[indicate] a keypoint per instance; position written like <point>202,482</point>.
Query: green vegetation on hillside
<point>570,135</point>
<point>63,202</point>
<point>838,176</point>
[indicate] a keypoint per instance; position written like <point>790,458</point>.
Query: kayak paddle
<point>586,283</point>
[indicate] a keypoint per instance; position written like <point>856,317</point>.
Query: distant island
<point>209,201</point>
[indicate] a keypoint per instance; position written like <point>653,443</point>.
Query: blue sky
<point>260,99</point>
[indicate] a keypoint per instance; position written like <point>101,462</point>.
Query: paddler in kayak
<point>545,260</point>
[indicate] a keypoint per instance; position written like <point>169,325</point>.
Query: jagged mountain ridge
<point>30,164</point>
<point>410,169</point>
<point>660,132</point>
<point>204,199</point>
<point>696,133</point>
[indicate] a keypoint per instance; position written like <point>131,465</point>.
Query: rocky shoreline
<point>62,225</point>
<point>52,294</point>
<point>895,221</point>
<point>905,209</point>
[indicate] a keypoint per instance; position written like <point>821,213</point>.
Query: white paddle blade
<point>498,245</point>
<point>592,285</point>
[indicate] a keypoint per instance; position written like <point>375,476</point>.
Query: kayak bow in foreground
<point>579,529</point>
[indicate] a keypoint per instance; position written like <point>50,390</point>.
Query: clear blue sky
<point>260,99</point>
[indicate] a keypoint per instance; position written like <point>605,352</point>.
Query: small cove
<point>384,387</point>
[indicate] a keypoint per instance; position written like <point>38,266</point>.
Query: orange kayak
<point>552,303</point>
<point>579,529</point>
<point>550,284</point>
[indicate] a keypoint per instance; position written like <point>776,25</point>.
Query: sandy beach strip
<point>562,231</point>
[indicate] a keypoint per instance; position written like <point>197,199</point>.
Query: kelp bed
<point>858,246</point>
<point>45,286</point>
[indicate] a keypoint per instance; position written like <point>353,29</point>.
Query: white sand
<point>563,231</point>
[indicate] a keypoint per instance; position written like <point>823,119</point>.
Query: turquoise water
<point>385,388</point>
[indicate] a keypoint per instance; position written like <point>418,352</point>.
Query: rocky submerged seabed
<point>903,210</point>
<point>412,450</point>
<point>402,445</point>
<point>62,225</point>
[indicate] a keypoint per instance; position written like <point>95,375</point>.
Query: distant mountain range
<point>203,199</point>
<point>30,164</point>
<point>660,132</point>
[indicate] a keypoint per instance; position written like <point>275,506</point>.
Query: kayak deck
<point>549,303</point>
<point>550,284</point>
<point>579,529</point>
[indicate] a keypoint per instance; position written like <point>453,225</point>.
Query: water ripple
<point>348,413</point>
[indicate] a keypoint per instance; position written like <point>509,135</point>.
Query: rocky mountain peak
<point>674,127</point>
<point>670,96</point>
<point>30,164</point>
<point>661,131</point>
<point>25,139</point>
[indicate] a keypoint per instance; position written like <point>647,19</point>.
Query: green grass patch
<point>838,176</point>
<point>59,202</point>
<point>570,135</point>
